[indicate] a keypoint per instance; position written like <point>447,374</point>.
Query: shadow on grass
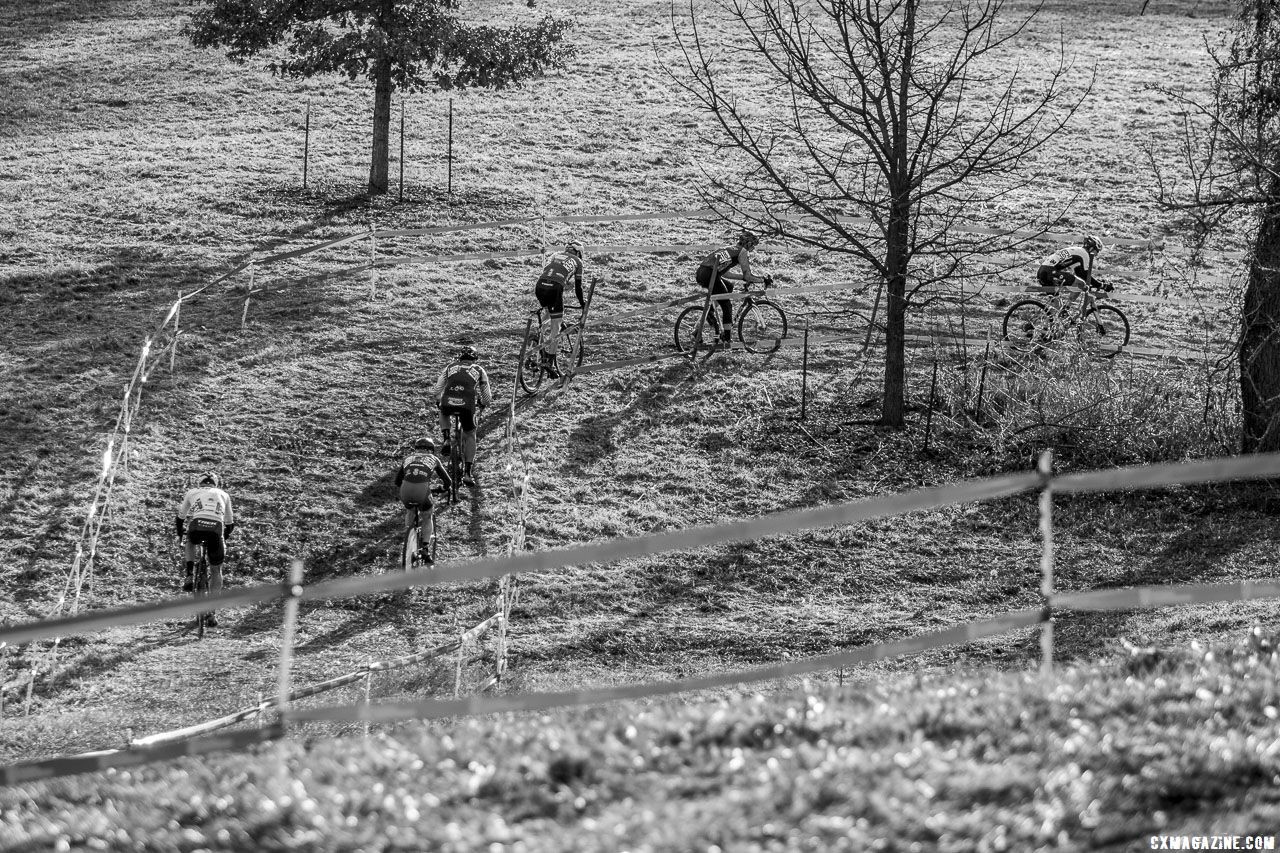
<point>592,439</point>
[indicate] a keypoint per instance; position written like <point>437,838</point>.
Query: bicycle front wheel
<point>1104,331</point>
<point>529,368</point>
<point>1028,325</point>
<point>409,556</point>
<point>762,326</point>
<point>687,338</point>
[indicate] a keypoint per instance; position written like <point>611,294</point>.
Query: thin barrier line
<point>432,709</point>
<point>1259,466</point>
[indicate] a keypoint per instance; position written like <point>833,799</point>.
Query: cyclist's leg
<point>216,547</point>
<point>468,439</point>
<point>190,553</point>
<point>726,307</point>
<point>444,425</point>
<point>427,525</point>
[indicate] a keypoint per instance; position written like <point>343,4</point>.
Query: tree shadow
<point>592,439</point>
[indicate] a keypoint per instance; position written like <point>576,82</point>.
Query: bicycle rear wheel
<point>455,456</point>
<point>1028,325</point>
<point>409,556</point>
<point>1104,331</point>
<point>762,326</point>
<point>687,330</point>
<point>201,590</point>
<point>529,368</point>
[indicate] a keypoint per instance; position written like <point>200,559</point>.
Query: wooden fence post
<point>804,372</point>
<point>286,640</point>
<point>306,145</point>
<point>449,187</point>
<point>373,263</point>
<point>928,423</point>
<point>982,380</point>
<point>1045,469</point>
<point>244,315</point>
<point>368,689</point>
<point>401,149</point>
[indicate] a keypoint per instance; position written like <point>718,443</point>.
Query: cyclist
<point>550,294</point>
<point>716,272</point>
<point>463,389</point>
<point>1072,266</point>
<point>414,481</point>
<point>205,517</point>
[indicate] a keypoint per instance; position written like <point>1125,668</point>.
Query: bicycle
<point>531,368</point>
<point>761,324</point>
<point>455,456</point>
<point>1030,324</point>
<point>201,588</point>
<point>411,557</point>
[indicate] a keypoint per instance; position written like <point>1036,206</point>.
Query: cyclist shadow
<point>593,437</point>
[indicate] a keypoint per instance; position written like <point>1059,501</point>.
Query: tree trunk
<point>895,360</point>
<point>382,90</point>
<point>1260,336</point>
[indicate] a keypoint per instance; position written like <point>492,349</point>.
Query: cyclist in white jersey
<point>1072,266</point>
<point>205,517</point>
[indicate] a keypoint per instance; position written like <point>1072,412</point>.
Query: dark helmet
<point>467,353</point>
<point>1092,245</point>
<point>747,240</point>
<point>210,478</point>
<point>425,443</point>
<point>574,248</point>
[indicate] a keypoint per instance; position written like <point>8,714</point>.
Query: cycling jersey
<point>1072,259</point>
<point>557,270</point>
<point>414,477</point>
<point>206,503</point>
<point>722,259</point>
<point>475,371</point>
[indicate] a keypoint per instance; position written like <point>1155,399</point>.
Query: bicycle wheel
<point>409,556</point>
<point>1028,325</point>
<point>687,329</point>
<point>568,341</point>
<point>1104,331</point>
<point>201,590</point>
<point>455,456</point>
<point>529,368</point>
<point>762,326</point>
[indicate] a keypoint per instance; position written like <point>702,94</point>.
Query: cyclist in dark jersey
<point>414,481</point>
<point>463,389</point>
<point>717,272</point>
<point>550,294</point>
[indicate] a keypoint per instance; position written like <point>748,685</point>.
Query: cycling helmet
<point>747,240</point>
<point>1092,245</point>
<point>574,248</point>
<point>467,353</point>
<point>210,478</point>
<point>425,443</point>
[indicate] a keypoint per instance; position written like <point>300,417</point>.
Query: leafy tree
<point>409,45</point>
<point>1233,158</point>
<point>887,123</point>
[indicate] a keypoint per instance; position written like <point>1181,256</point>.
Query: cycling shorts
<point>466,416</point>
<point>416,493</point>
<point>705,276</point>
<point>550,296</point>
<point>202,531</point>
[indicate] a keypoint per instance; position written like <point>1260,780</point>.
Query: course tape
<point>1166,596</point>
<point>476,705</point>
<point>91,761</point>
<point>780,523</point>
<point>318,688</point>
<point>1117,295</point>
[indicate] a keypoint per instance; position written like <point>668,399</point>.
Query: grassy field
<point>134,167</point>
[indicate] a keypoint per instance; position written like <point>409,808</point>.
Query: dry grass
<point>116,195</point>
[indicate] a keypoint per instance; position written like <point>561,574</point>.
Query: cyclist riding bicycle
<point>550,294</point>
<point>1072,267</point>
<point>463,389</point>
<point>205,518</point>
<point>414,481</point>
<point>716,272</point>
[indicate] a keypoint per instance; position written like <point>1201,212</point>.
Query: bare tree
<point>887,122</point>
<point>1232,149</point>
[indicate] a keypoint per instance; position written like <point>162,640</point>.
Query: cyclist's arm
<point>437,390</point>
<point>444,475</point>
<point>577,283</point>
<point>228,516</point>
<point>399,476</point>
<point>180,525</point>
<point>744,262</point>
<point>486,390</point>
